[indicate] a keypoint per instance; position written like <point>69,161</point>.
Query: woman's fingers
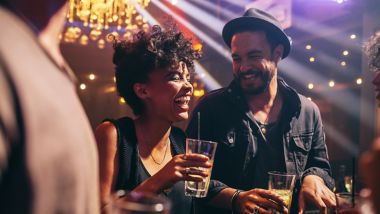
<point>194,160</point>
<point>206,164</point>
<point>191,172</point>
<point>194,157</point>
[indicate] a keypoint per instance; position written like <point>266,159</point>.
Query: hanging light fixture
<point>94,20</point>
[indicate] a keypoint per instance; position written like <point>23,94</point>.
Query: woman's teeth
<point>183,100</point>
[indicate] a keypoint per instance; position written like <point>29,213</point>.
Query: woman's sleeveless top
<point>132,172</point>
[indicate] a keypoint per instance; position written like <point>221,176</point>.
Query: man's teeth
<point>183,100</point>
<point>250,76</point>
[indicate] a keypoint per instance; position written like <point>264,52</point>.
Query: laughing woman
<point>146,154</point>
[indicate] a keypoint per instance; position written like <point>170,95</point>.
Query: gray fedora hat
<point>257,19</point>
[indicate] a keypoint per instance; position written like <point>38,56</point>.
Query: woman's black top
<point>132,171</point>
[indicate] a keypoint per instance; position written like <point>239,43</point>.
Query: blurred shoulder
<point>106,134</point>
<point>212,98</point>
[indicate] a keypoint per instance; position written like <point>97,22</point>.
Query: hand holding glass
<point>282,184</point>
<point>208,148</point>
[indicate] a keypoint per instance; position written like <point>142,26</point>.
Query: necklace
<point>166,151</point>
<point>264,126</point>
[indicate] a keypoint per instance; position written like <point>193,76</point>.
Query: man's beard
<point>264,76</point>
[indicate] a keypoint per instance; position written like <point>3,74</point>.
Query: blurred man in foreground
<point>48,160</point>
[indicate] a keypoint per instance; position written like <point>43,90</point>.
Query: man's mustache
<point>250,72</point>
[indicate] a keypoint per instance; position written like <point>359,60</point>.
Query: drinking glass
<point>347,202</point>
<point>138,203</point>
<point>208,148</point>
<point>348,183</point>
<point>282,184</point>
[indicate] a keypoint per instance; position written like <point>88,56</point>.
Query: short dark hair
<point>136,59</point>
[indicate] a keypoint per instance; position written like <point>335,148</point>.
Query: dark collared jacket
<point>227,119</point>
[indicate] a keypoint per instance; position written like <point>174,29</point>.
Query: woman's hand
<point>189,167</point>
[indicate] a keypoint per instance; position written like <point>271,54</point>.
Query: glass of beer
<point>208,148</point>
<point>282,184</point>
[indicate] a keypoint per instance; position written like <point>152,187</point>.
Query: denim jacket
<point>227,119</point>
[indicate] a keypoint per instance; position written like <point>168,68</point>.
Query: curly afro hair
<point>372,49</point>
<point>136,59</point>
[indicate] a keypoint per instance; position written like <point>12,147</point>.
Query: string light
<point>308,47</point>
<point>343,63</point>
<point>91,76</point>
<point>101,43</point>
<point>353,36</point>
<point>82,86</point>
<point>87,20</point>
<point>312,59</point>
<point>310,86</point>
<point>331,83</point>
<point>121,100</point>
<point>199,92</point>
<point>359,81</point>
<point>345,53</point>
<point>340,1</point>
<point>197,46</point>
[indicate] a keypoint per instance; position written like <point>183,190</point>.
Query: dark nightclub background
<point>326,63</point>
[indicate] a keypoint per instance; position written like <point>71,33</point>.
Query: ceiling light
<point>91,76</point>
<point>331,83</point>
<point>359,81</point>
<point>82,86</point>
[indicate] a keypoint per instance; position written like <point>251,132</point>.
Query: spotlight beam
<point>342,141</point>
<point>216,46</point>
<point>210,21</point>
<point>303,74</point>
<point>144,13</point>
<point>237,3</point>
<point>321,30</point>
<point>225,13</point>
<point>209,81</point>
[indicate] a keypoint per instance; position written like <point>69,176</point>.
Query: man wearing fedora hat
<point>261,124</point>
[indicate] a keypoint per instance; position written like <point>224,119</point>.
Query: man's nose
<point>244,67</point>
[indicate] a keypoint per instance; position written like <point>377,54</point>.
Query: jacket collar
<point>291,97</point>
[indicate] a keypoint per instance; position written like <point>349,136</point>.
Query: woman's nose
<point>188,85</point>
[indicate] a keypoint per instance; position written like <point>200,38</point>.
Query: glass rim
<point>120,200</point>
<point>347,194</point>
<point>281,173</point>
<point>206,141</point>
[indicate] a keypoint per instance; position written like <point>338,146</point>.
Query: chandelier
<point>99,21</point>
